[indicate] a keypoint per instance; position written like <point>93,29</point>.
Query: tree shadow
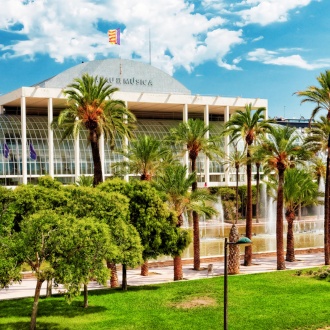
<point>57,306</point>
<point>54,306</point>
<point>119,290</point>
<point>26,325</point>
<point>16,307</point>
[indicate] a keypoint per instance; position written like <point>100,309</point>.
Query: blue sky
<point>250,48</point>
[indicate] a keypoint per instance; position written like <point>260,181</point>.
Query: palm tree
<point>175,183</point>
<point>190,136</point>
<point>145,156</point>
<point>316,140</point>
<point>299,190</point>
<point>258,159</point>
<point>317,135</point>
<point>91,107</point>
<point>320,97</point>
<point>318,168</point>
<point>235,160</point>
<point>248,125</point>
<point>282,149</point>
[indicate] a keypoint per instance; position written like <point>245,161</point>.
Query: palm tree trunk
<point>290,256</point>
<point>279,222</point>
<point>326,210</point>
<point>114,283</point>
<point>257,195</point>
<point>236,192</point>
<point>197,261</point>
<point>98,177</point>
<point>234,253</point>
<point>178,273</point>
<point>145,268</point>
<point>33,323</point>
<point>248,231</point>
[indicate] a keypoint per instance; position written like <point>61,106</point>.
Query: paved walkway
<point>165,274</point>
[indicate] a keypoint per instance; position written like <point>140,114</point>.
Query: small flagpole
<point>149,48</point>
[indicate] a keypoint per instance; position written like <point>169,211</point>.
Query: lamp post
<point>241,241</point>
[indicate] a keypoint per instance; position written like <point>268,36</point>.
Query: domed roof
<point>127,75</point>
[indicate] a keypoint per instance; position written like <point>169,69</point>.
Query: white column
<point>266,111</point>
<point>76,157</point>
<point>185,113</point>
<point>24,139</point>
<point>50,138</point>
<point>185,120</point>
<point>125,142</point>
<point>227,146</point>
<point>101,148</point>
<point>207,135</point>
<point>1,110</point>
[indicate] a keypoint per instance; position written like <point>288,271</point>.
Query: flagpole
<point>149,48</point>
<point>5,171</point>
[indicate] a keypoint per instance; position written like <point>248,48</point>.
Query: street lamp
<point>241,241</point>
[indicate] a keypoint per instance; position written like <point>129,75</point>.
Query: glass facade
<point>64,160</point>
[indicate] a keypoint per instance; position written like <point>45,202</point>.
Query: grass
<point>277,300</point>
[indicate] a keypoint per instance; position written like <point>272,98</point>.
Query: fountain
<point>320,208</point>
<point>270,215</point>
<point>219,219</point>
<point>308,231</point>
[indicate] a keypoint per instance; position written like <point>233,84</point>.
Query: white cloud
<point>278,58</point>
<point>257,39</point>
<point>70,29</point>
<point>181,34</point>
<point>214,4</point>
<point>265,12</point>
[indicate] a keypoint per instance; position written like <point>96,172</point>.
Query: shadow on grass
<point>110,291</point>
<point>55,306</point>
<point>26,325</point>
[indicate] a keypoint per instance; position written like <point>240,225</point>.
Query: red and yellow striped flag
<point>114,36</point>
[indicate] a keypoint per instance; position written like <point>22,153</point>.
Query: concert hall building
<point>158,101</point>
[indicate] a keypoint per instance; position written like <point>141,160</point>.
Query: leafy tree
<point>153,221</point>
<point>111,208</point>
<point>282,149</point>
<point>191,137</point>
<point>84,244</point>
<point>18,204</point>
<point>145,156</point>
<point>249,126</point>
<point>28,199</point>
<point>320,97</point>
<point>175,183</point>
<point>91,107</point>
<point>49,243</point>
<point>9,271</point>
<point>151,217</point>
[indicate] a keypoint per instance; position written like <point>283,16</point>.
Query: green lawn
<point>277,300</point>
